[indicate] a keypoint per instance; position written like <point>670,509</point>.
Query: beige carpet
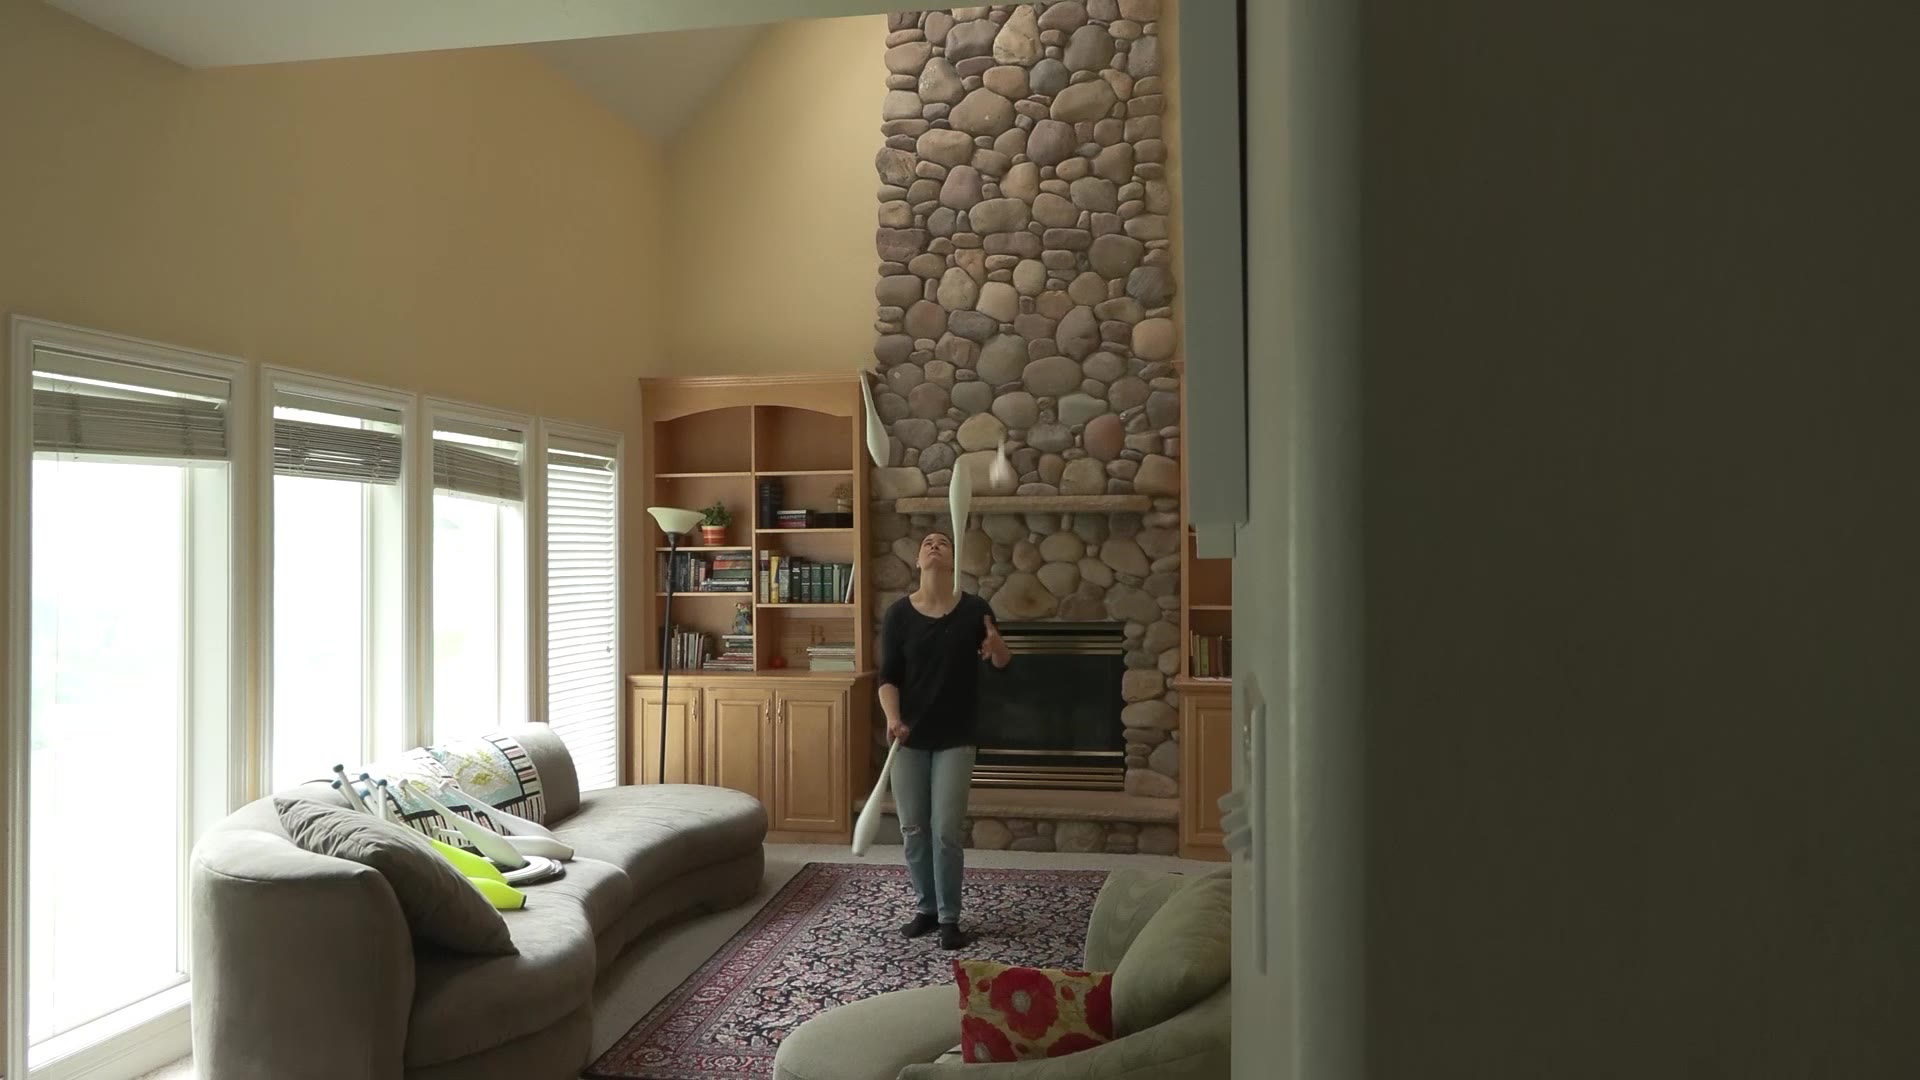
<point>655,965</point>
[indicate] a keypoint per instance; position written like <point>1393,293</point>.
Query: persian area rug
<point>832,936</point>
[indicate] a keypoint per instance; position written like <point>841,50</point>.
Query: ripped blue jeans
<point>930,795</point>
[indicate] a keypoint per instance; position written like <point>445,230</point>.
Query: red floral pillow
<point>1021,1013</point>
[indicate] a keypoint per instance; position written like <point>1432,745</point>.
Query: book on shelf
<point>812,519</point>
<point>772,494</point>
<point>687,649</point>
<point>736,654</point>
<point>725,572</point>
<point>830,657</point>
<point>1210,656</point>
<point>790,579</point>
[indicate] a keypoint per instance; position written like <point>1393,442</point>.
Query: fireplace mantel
<point>1032,504</point>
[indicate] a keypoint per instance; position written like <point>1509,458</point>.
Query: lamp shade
<point>674,521</point>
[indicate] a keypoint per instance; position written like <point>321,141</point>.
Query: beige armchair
<point>912,1034</point>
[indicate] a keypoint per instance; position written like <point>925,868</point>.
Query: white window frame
<point>218,764</point>
<point>547,431</point>
<point>275,378</point>
<point>533,522</point>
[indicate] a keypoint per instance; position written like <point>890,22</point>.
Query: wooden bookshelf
<point>794,738</point>
<point>714,440</point>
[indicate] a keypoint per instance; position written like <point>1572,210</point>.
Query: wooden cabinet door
<point>810,762</point>
<point>739,752</point>
<point>683,735</point>
<point>1206,762</point>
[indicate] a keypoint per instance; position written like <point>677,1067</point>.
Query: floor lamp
<point>675,523</point>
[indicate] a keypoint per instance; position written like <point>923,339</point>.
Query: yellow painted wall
<point>772,207</point>
<point>465,223</point>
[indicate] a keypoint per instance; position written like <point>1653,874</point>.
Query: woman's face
<point>936,552</point>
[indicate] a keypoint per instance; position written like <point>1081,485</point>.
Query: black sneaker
<point>921,925</point>
<point>952,937</point>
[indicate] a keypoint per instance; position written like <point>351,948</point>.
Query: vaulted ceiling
<point>654,62</point>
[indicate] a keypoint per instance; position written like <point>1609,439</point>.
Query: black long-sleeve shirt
<point>935,664</point>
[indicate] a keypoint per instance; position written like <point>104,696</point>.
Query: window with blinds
<point>583,597</point>
<point>338,584</point>
<point>127,674</point>
<point>481,659</point>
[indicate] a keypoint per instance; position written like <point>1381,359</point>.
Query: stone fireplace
<point>1025,297</point>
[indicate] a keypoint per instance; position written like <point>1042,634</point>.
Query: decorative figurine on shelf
<point>843,499</point>
<point>743,619</point>
<point>713,524</point>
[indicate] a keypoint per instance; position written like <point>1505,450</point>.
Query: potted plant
<point>713,526</point>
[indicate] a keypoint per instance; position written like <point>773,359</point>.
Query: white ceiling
<point>219,33</point>
<point>656,81</point>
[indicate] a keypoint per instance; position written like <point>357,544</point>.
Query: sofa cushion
<point>439,904</point>
<point>657,832</point>
<point>603,891</point>
<point>872,1038</point>
<point>1129,899</point>
<point>464,1004</point>
<point>1183,954</point>
<point>559,781</point>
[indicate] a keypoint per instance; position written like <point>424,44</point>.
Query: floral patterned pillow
<point>1022,1014</point>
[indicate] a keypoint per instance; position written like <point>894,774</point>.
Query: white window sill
<point>131,1042</point>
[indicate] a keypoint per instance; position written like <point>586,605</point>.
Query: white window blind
<point>583,616</point>
<point>85,404</point>
<point>333,440</point>
<point>475,459</point>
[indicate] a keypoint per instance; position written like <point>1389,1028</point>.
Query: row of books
<point>687,649</point>
<point>728,572</point>
<point>736,654</point>
<point>830,657</point>
<point>1211,656</point>
<point>790,579</point>
<point>810,519</point>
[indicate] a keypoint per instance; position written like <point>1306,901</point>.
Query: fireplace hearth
<point>1051,719</point>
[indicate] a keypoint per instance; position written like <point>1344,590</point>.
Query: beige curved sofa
<point>911,1034</point>
<point>304,968</point>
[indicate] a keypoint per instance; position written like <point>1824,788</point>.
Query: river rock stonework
<point>1025,295</point>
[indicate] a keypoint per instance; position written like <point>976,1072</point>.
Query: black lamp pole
<point>666,656</point>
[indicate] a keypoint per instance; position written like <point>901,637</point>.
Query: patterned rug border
<point>723,972</point>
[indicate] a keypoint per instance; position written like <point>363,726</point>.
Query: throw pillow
<point>1183,954</point>
<point>1022,1013</point>
<point>440,906</point>
<point>498,771</point>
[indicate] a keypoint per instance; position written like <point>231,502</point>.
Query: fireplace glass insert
<point>1051,719</point>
